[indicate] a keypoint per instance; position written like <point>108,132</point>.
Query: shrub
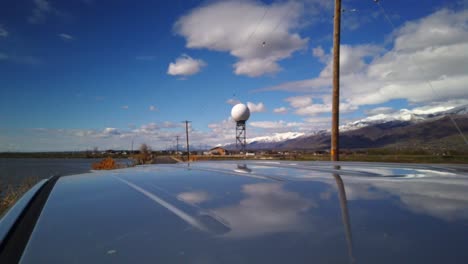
<point>105,164</point>
<point>145,156</point>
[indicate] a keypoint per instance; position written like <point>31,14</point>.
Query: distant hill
<point>439,133</point>
<point>404,129</point>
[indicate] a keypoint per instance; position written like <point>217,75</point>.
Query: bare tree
<point>145,156</point>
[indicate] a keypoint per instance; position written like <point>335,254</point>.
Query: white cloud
<point>150,128</point>
<point>258,45</point>
<point>315,109</point>
<point>280,110</point>
<point>3,32</point>
<point>168,124</point>
<point>185,66</point>
<point>380,110</point>
<point>319,53</point>
<point>317,123</point>
<point>41,10</point>
<point>299,101</point>
<point>274,124</point>
<point>159,136</point>
<point>232,101</point>
<point>125,107</point>
<point>223,132</point>
<point>439,107</point>
<point>352,59</point>
<point>153,108</point>
<point>317,85</point>
<point>425,65</point>
<point>443,28</point>
<point>109,131</point>
<point>66,37</point>
<point>260,107</point>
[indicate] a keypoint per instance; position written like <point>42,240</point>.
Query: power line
<point>426,79</point>
<point>267,7</point>
<point>385,13</point>
<point>279,23</point>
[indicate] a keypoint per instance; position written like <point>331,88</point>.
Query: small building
<point>218,151</point>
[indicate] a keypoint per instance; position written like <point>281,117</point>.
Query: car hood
<point>256,211</point>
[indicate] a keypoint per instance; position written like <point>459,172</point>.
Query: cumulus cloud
<point>224,127</point>
<point>319,53</point>
<point>185,66</point>
<point>426,64</point>
<point>260,107</point>
<point>299,101</point>
<point>66,37</point>
<point>380,110</point>
<point>232,101</point>
<point>280,110</point>
<point>314,109</point>
<point>258,45</point>
<point>160,135</point>
<point>109,131</point>
<point>352,59</point>
<point>153,108</point>
<point>3,32</point>
<point>148,128</point>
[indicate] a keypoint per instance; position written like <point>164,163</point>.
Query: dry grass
<point>105,164</point>
<point>9,194</point>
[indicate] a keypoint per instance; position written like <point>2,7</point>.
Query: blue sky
<point>80,74</point>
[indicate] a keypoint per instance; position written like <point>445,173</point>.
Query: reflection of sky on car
<point>437,193</point>
<point>266,208</point>
<point>221,214</point>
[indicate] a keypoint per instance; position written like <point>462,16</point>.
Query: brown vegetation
<point>145,156</point>
<point>105,164</point>
<point>11,193</point>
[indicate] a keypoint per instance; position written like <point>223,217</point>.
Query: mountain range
<point>418,129</point>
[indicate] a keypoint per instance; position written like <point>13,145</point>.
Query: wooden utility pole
<point>177,146</point>
<point>186,134</point>
<point>335,144</point>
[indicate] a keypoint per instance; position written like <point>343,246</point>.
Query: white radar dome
<point>240,112</point>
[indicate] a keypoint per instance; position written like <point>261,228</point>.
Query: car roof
<point>256,211</point>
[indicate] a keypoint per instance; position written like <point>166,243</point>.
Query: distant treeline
<point>74,155</point>
<point>61,155</point>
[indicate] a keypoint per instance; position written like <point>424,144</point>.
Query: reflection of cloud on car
<point>267,208</point>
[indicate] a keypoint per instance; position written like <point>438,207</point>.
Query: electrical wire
<point>280,21</point>
<point>426,79</point>
<point>256,26</point>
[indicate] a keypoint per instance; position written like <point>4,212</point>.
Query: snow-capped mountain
<point>277,137</point>
<point>403,128</point>
<point>406,116</point>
